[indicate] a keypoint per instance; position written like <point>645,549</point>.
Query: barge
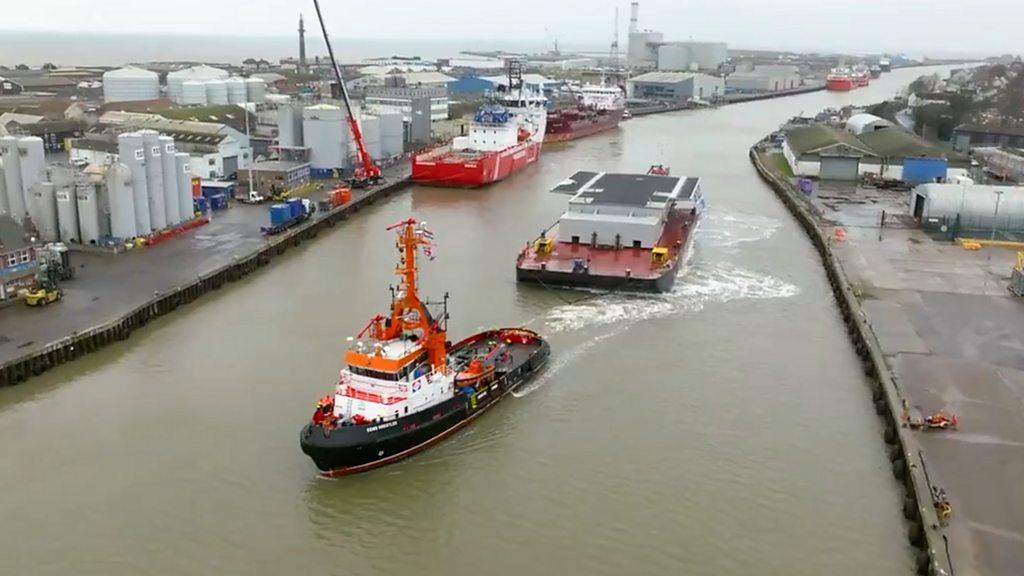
<point>620,232</point>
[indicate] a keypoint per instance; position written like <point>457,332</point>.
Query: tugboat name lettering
<point>382,426</point>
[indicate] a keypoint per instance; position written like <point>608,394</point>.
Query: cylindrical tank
<point>325,131</point>
<point>154,179</point>
<point>289,125</point>
<point>236,90</point>
<point>60,176</point>
<point>255,90</point>
<point>88,211</point>
<point>131,150</point>
<point>370,127</point>
<point>172,202</point>
<point>193,92</point>
<point>216,92</point>
<point>130,84</point>
<point>33,163</point>
<point>3,188</point>
<point>201,73</point>
<point>43,208</point>
<point>392,134</point>
<point>183,169</point>
<point>120,183</point>
<point>67,211</point>
<point>12,177</point>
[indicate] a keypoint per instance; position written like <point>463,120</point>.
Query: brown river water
<point>722,429</point>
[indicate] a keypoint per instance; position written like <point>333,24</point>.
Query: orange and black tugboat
<point>405,386</point>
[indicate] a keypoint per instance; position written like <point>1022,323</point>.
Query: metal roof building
<point>980,207</point>
<point>861,123</point>
<point>675,86</point>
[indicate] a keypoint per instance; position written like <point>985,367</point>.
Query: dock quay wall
<point>906,457</point>
<point>81,343</point>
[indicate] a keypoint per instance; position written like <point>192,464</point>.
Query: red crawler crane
<point>367,172</point>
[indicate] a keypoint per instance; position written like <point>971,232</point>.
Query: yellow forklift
<point>54,267</point>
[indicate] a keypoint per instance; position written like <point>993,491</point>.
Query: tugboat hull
<point>350,449</point>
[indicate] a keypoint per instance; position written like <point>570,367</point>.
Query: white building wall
<point>646,230</point>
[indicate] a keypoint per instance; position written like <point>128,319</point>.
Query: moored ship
<point>594,108</point>
<point>405,386</point>
<point>504,137</point>
<point>620,232</point>
<point>839,81</point>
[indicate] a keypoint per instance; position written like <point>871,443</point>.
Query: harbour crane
<point>367,172</point>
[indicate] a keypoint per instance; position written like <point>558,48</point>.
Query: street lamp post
<point>995,216</point>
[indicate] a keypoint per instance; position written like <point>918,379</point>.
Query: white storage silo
<point>172,202</point>
<point>392,134</point>
<point>130,149</point>
<point>33,164</point>
<point>67,211</point>
<point>43,209</point>
<point>130,84</point>
<point>88,211</point>
<point>255,90</point>
<point>198,73</point>
<point>154,179</point>
<point>236,90</point>
<point>289,125</point>
<point>216,92</point>
<point>3,188</point>
<point>324,131</point>
<point>370,127</point>
<point>60,177</point>
<point>183,169</point>
<point>120,183</point>
<point>193,92</point>
<point>12,177</point>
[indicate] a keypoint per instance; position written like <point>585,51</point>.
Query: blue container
<point>280,214</point>
<point>923,170</point>
<point>296,207</point>
<point>199,204</point>
<point>219,201</point>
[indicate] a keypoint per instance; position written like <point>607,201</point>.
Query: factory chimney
<point>634,12</point>
<point>302,44</point>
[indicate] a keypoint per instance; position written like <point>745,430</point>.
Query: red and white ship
<point>839,80</point>
<point>503,138</point>
<point>861,76</point>
<point>595,108</point>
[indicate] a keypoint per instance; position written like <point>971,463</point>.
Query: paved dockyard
<point>106,286</point>
<point>951,332</point>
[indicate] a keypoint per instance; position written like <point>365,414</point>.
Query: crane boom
<point>368,172</point>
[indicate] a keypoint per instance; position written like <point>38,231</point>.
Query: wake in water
<point>727,229</point>
<point>697,287</point>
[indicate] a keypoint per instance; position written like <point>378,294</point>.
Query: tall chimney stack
<point>634,13</point>
<point>302,44</point>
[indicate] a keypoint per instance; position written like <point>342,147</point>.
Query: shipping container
<point>280,214</point>
<point>295,205</point>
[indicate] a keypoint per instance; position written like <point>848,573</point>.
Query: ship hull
<point>351,449</point>
<point>839,85</point>
<point>564,131</point>
<point>446,170</point>
<point>624,269</point>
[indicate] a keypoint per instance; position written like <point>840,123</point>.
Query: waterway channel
<point>722,429</point>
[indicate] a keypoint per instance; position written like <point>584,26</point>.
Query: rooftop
<point>640,190</point>
<point>663,77</point>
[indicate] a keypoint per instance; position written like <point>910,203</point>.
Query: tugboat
<point>405,386</point>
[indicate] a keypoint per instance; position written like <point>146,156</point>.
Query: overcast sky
<point>915,26</point>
